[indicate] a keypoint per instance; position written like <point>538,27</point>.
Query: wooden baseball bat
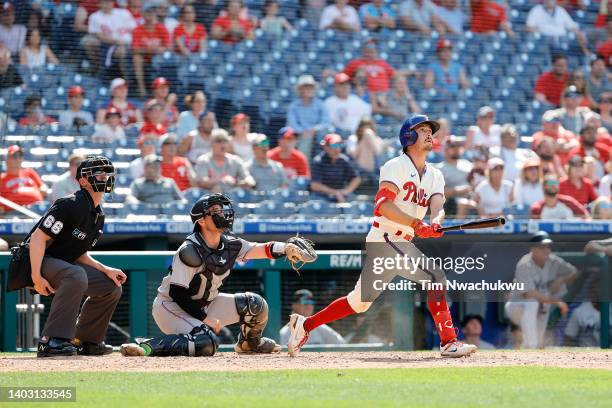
<point>476,224</point>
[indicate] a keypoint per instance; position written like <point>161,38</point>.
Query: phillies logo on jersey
<point>414,195</point>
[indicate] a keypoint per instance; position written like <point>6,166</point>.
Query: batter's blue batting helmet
<point>408,136</point>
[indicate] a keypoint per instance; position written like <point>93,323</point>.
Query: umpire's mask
<point>94,166</point>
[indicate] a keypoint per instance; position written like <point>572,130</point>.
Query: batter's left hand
<point>424,230</point>
<point>116,275</point>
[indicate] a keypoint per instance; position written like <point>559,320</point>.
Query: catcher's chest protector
<point>217,261</point>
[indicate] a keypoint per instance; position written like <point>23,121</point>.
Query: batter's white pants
<point>531,320</point>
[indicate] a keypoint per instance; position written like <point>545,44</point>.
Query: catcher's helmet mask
<point>408,134</point>
<point>223,219</point>
<point>94,166</point>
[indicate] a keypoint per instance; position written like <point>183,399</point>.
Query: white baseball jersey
<point>415,191</point>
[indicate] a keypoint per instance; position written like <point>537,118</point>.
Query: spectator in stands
<point>162,94</point>
<point>75,117</point>
<point>303,304</point>
<point>550,160</point>
<point>564,140</point>
<point>164,16</point>
<point>219,171</point>
<point>589,146</point>
<point>550,85</point>
<point>488,17</point>
<point>594,119</point>
<point>147,145</point>
<point>9,76</point>
<point>340,16</point>
<point>551,20</point>
<point>272,23</point>
<point>378,72</point>
<point>478,174</point>
<point>111,131</point>
<point>398,102</point>
<point>207,11</point>
<point>344,109</point>
<point>451,17</point>
<point>232,27</point>
<point>242,139</point>
<point>455,170</point>
<point>334,176</point>
<point>307,115</point>
<point>80,27</point>
<point>445,75</point>
<point>11,35</point>
<point>510,153</point>
<point>175,167</point>
<point>294,162</point>
<point>67,183</point>
<point>544,277</point>
<point>269,175</point>
<point>494,194</point>
<point>575,184</point>
<point>420,16</point>
<point>602,208</point>
<point>376,16</point>
<point>485,133</point>
<point>35,54</point>
<point>135,9</point>
<point>110,36</point>
<point>148,40</point>
<point>130,115</point>
<point>578,79</point>
<point>198,141</point>
<point>364,147</point>
<point>189,37</point>
<point>556,206</point>
<point>571,114</point>
<point>593,170</point>
<point>528,187</point>
<point>152,188</point>
<point>605,184</point>
<point>598,81</point>
<point>20,185</point>
<point>471,327</point>
<point>188,120</point>
<point>34,115</point>
<point>155,117</point>
<point>605,110</point>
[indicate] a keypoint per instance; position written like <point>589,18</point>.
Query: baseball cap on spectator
<point>572,92</point>
<point>443,43</point>
<point>168,138</point>
<point>112,111</point>
<point>331,139</point>
<point>152,159</point>
<point>286,132</point>
<point>494,163</point>
<point>220,135</point>
<point>75,91</point>
<point>117,83</point>
<point>240,117</point>
<point>260,140</point>
<point>7,7</point>
<point>142,138</point>
<point>341,78</point>
<point>550,117</point>
<point>159,82</point>
<point>154,103</point>
<point>303,297</point>
<point>455,141</point>
<point>485,111</point>
<point>202,115</point>
<point>149,6</point>
<point>306,80</point>
<point>14,149</point>
<point>529,163</point>
<point>576,161</point>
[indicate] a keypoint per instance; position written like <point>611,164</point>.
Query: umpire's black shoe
<point>94,349</point>
<point>55,347</point>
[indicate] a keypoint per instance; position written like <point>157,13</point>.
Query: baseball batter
<point>189,307</point>
<point>408,187</point>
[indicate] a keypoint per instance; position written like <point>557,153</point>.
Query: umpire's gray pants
<point>71,283</point>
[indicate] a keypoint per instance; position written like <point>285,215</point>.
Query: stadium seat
<point>318,208</point>
<point>270,208</point>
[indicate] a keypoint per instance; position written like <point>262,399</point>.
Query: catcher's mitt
<point>300,251</point>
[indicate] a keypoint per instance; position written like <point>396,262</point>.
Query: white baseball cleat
<point>456,349</point>
<point>132,350</point>
<point>298,336</point>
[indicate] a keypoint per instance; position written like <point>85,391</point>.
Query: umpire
<point>57,248</point>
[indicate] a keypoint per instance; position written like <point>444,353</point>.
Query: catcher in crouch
<point>409,187</point>
<point>189,308</point>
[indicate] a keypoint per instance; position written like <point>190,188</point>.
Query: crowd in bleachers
<point>297,104</point>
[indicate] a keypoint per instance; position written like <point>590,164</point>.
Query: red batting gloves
<point>423,230</point>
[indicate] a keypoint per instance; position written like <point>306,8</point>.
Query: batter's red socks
<point>436,301</point>
<point>337,309</point>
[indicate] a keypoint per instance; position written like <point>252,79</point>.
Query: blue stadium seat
<point>299,184</point>
<point>319,208</point>
<point>272,208</point>
<point>292,196</point>
<point>359,209</point>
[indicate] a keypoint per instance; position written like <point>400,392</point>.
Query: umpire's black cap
<point>540,238</point>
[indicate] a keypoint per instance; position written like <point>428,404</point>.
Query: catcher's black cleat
<point>56,347</point>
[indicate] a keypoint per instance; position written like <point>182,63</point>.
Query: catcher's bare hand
<point>300,251</point>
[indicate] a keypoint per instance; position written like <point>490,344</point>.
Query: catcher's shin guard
<point>253,312</point>
<point>201,342</point>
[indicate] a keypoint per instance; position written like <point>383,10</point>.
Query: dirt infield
<point>230,361</point>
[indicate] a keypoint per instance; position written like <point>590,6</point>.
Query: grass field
<point>442,387</point>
